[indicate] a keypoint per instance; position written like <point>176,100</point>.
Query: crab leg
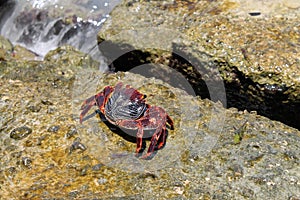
<point>139,134</point>
<point>139,139</point>
<point>162,139</point>
<point>156,136</point>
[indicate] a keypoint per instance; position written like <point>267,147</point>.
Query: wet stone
<point>77,145</point>
<point>47,102</point>
<point>84,170</point>
<point>34,108</point>
<point>86,158</point>
<point>12,170</point>
<point>73,194</point>
<point>26,161</point>
<point>29,143</point>
<point>51,110</point>
<point>97,167</point>
<point>290,155</point>
<point>53,129</point>
<point>225,171</point>
<point>71,132</point>
<point>20,132</point>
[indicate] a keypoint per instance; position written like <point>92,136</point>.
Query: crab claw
<point>86,106</point>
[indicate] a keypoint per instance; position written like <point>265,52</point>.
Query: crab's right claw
<point>86,106</point>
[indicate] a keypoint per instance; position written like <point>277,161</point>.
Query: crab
<point>126,107</point>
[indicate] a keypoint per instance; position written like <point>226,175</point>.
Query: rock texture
<point>213,153</point>
<point>254,45</point>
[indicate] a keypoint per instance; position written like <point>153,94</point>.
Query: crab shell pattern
<point>126,107</point>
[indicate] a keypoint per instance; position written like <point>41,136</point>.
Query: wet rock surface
<point>20,132</point>
<point>254,46</point>
<point>201,160</point>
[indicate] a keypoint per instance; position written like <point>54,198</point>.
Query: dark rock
<point>97,167</point>
<point>53,129</point>
<point>254,13</point>
<point>46,102</point>
<point>26,161</point>
<point>84,170</point>
<point>77,145</point>
<point>71,132</point>
<point>20,132</point>
<point>73,194</point>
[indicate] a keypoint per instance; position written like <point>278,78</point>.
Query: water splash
<point>43,25</point>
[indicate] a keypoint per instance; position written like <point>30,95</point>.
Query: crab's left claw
<point>86,106</point>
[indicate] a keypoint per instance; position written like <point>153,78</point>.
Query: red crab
<point>126,107</point>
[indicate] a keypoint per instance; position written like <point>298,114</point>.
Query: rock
<point>97,167</point>
<point>6,48</point>
<point>8,51</point>
<point>21,53</point>
<point>53,129</point>
<point>26,161</point>
<point>72,131</point>
<point>77,145</point>
<point>20,132</point>
<point>34,108</point>
<point>201,158</point>
<point>221,41</point>
<point>68,55</point>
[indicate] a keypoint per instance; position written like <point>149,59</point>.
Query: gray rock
<point>20,132</point>
<point>220,39</point>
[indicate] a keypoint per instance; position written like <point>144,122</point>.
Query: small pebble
<point>71,132</point>
<point>84,170</point>
<point>20,132</point>
<point>34,108</point>
<point>26,161</point>
<point>12,170</point>
<point>73,194</point>
<point>53,129</point>
<point>77,145</point>
<point>97,167</point>
<point>47,102</point>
